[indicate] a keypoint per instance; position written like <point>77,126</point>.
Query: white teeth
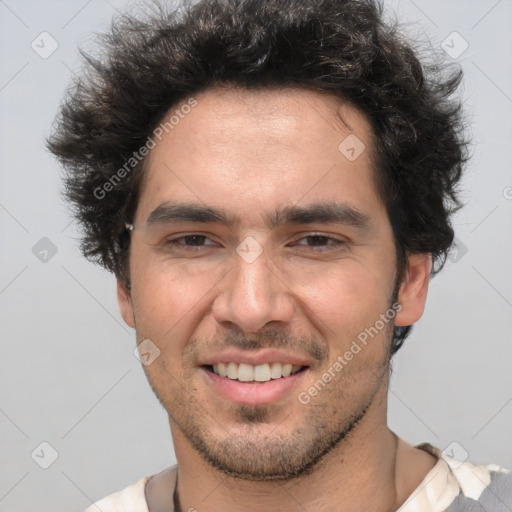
<point>262,372</point>
<point>275,371</point>
<point>259,373</point>
<point>287,369</point>
<point>232,371</point>
<point>245,372</point>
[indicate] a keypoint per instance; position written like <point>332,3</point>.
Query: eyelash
<point>174,243</point>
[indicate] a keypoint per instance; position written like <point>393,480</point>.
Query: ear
<point>125,303</point>
<point>413,290</point>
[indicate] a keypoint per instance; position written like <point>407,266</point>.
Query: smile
<point>244,372</point>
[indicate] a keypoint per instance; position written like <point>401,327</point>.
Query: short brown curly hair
<point>151,63</point>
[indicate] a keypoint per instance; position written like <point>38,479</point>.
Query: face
<point>262,254</point>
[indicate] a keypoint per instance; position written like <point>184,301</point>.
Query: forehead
<point>249,151</point>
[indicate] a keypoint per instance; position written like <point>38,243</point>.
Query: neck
<point>371,469</point>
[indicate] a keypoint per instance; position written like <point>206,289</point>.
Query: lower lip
<point>253,393</point>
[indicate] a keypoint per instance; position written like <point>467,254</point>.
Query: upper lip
<point>254,357</point>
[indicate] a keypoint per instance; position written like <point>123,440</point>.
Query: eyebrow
<point>328,212</point>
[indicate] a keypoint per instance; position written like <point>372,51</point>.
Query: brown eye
<point>189,242</point>
<point>321,242</point>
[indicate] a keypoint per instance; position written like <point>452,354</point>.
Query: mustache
<point>267,339</point>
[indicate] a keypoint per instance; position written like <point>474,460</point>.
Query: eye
<point>192,242</point>
<point>320,243</point>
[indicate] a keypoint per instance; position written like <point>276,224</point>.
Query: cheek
<point>170,298</point>
<point>344,301</point>
<point>163,302</point>
<point>164,290</point>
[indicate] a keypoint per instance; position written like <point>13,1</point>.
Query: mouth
<point>261,384</point>
<point>248,373</point>
<point>254,377</point>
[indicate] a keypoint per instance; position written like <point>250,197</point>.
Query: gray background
<point>68,375</point>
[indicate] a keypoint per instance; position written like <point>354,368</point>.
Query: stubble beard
<point>250,455</point>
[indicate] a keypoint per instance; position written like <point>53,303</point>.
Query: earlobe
<point>413,290</point>
<point>125,303</point>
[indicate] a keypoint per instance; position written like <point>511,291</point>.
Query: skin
<point>250,153</point>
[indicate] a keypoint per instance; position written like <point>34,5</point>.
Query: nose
<point>252,296</point>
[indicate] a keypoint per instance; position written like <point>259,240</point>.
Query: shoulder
<point>130,499</point>
<point>480,487</point>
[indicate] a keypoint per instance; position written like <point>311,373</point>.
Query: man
<point>272,184</point>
